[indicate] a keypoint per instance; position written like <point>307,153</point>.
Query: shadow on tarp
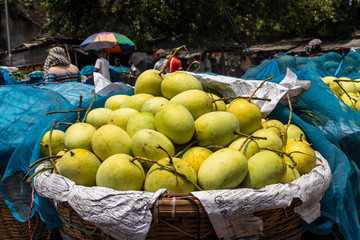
<point>340,124</point>
<point>23,106</point>
<point>18,195</point>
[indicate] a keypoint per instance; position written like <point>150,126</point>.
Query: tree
<point>214,20</point>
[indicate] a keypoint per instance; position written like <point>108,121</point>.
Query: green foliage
<point>242,21</point>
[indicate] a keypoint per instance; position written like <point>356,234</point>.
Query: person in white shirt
<point>102,64</point>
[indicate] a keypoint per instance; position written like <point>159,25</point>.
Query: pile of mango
<point>346,89</point>
<point>172,134</point>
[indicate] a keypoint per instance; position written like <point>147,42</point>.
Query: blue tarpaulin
<point>24,122</point>
<point>23,106</point>
<point>339,123</point>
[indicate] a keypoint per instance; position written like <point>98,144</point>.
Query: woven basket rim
<point>168,197</point>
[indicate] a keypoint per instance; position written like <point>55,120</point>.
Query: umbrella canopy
<point>142,60</point>
<point>122,42</point>
<point>99,45</point>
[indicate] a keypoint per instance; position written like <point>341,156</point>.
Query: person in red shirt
<point>174,63</point>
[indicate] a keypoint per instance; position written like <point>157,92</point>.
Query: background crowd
<point>57,67</point>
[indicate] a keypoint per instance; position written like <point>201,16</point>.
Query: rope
<point>44,83</point>
<point>198,234</point>
<point>287,223</point>
<point>194,62</point>
<point>178,229</point>
<point>339,67</point>
<point>38,85</point>
<point>192,201</point>
<point>84,230</point>
<point>31,207</point>
<point>173,207</point>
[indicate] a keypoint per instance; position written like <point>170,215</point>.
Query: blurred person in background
<point>117,63</point>
<point>134,71</point>
<point>102,64</point>
<point>161,55</point>
<point>57,67</point>
<point>206,62</point>
<point>175,63</point>
<point>313,48</point>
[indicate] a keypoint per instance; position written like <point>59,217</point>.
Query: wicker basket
<point>12,229</point>
<point>76,227</point>
<point>188,221</point>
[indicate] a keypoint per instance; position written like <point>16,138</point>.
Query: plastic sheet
<point>338,122</point>
<point>24,123</point>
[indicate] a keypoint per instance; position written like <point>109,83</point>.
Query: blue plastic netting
<point>24,122</point>
<point>339,123</point>
<point>23,106</point>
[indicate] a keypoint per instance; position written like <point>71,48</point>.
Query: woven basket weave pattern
<point>188,220</point>
<point>12,229</point>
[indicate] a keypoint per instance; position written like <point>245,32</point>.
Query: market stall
<point>316,200</point>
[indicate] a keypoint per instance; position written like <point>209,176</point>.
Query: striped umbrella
<point>122,42</point>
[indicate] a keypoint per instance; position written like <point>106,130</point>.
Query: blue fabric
<point>117,74</point>
<point>36,74</point>
<point>22,106</point>
<point>23,124</point>
<point>120,70</point>
<point>36,77</point>
<point>87,70</point>
<point>332,127</point>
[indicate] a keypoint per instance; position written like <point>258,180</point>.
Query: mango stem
<point>245,141</point>
<point>186,148</point>
<point>230,98</point>
<point>284,138</point>
<point>80,102</point>
<point>263,82</point>
<point>28,181</point>
<point>168,169</point>
<point>251,136</point>
<point>68,111</point>
<point>90,106</point>
<point>282,153</point>
<point>168,61</point>
<point>50,134</point>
